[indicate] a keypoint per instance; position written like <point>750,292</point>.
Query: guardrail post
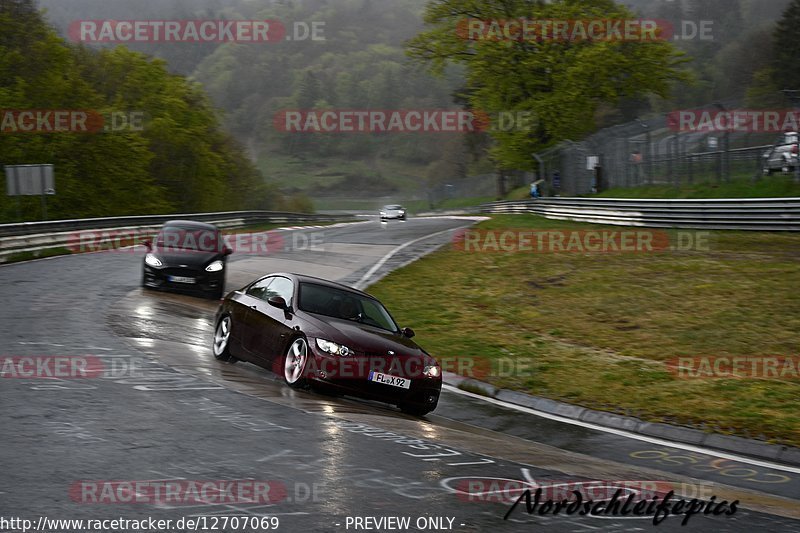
<point>627,162</point>
<point>759,171</point>
<point>671,149</point>
<point>794,96</point>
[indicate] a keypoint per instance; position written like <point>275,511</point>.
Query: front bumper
<point>204,282</point>
<point>351,375</point>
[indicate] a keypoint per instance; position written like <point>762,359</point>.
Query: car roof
<point>302,278</point>
<point>190,224</point>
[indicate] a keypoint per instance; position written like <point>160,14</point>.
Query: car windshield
<point>345,305</point>
<point>188,238</point>
<point>393,207</point>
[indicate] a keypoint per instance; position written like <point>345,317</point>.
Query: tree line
<point>175,157</point>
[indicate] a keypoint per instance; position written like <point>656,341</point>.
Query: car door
<point>250,303</point>
<point>238,309</point>
<point>269,325</point>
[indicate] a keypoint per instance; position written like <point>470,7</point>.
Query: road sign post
<point>30,180</point>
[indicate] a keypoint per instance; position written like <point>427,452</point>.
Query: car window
<point>376,315</point>
<point>282,287</point>
<point>259,288</point>
<point>337,303</point>
<point>190,239</point>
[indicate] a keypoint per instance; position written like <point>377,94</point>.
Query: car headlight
<point>215,266</point>
<point>152,260</point>
<point>432,371</point>
<point>333,348</point>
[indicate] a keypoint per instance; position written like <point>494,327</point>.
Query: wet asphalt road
<point>170,412</point>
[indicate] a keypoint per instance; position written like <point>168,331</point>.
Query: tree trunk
<point>501,185</point>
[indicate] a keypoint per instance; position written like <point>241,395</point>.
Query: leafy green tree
<point>561,84</point>
<point>786,48</point>
<point>180,160</point>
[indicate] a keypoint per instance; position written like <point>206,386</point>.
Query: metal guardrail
<point>249,217</point>
<point>39,236</point>
<point>748,214</point>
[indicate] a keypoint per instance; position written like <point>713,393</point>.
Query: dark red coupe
<point>327,335</point>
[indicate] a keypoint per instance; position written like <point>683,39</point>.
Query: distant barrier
<point>40,236</point>
<point>748,214</point>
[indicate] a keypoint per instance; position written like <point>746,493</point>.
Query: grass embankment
<point>598,328</point>
<point>775,186</point>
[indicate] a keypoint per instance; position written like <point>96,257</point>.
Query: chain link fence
<point>651,152</point>
<point>643,152</point>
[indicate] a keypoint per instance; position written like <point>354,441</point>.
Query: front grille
<point>176,271</point>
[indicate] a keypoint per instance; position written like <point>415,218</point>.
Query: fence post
<point>759,170</point>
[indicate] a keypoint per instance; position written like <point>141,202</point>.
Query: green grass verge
<point>596,329</point>
<point>775,186</point>
<point>308,174</point>
<point>39,254</point>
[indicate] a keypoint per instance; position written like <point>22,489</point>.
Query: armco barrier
<point>39,236</point>
<point>749,214</point>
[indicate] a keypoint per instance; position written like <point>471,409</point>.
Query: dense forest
<point>178,159</point>
<point>371,58</point>
<point>743,61</point>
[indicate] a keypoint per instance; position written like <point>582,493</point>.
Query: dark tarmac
<point>171,413</point>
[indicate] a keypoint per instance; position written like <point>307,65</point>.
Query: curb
<point>726,443</point>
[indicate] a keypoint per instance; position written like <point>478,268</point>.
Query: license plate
<point>180,279</point>
<point>386,379</point>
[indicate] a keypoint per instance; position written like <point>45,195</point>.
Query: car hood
<point>190,258</point>
<point>363,338</point>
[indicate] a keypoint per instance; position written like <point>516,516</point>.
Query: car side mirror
<point>279,302</point>
<point>408,332</point>
<point>148,244</point>
<point>227,251</point>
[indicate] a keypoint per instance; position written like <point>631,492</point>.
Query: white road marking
<point>391,253</point>
<point>40,343</point>
<point>627,434</point>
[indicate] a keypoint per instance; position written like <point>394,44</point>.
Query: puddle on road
<point>177,331</point>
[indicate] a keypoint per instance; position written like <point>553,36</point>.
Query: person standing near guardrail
<point>597,180</point>
<point>535,189</point>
